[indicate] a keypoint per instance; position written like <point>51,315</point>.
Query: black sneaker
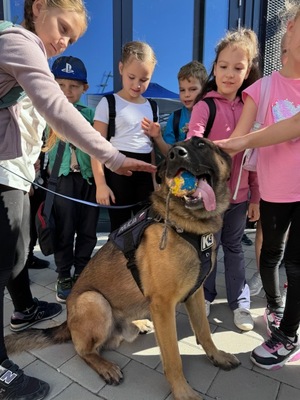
<point>246,240</point>
<point>15,385</point>
<point>34,262</point>
<point>63,289</point>
<point>43,310</point>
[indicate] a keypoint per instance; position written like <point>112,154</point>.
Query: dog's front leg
<point>195,306</point>
<point>163,317</point>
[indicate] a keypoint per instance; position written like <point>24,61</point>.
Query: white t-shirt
<point>129,135</point>
<point>31,126</point>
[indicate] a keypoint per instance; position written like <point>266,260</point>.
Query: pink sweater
<point>23,62</point>
<point>227,115</point>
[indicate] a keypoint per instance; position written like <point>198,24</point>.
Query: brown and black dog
<point>107,305</point>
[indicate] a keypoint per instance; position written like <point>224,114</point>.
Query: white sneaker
<point>255,284</point>
<point>207,307</point>
<point>243,319</point>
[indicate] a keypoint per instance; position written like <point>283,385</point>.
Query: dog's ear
<point>224,155</point>
<point>160,172</point>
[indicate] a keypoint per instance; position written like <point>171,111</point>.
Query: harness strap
<point>203,244</point>
<point>128,237</point>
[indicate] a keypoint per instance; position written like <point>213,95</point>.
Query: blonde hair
<point>194,69</point>
<point>52,138</point>
<point>141,51</point>
<point>77,6</point>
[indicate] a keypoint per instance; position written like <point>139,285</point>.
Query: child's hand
<point>131,164</point>
<point>104,194</point>
<point>234,145</point>
<point>253,212</point>
<point>151,128</point>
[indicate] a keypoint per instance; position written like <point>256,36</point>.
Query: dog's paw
<point>144,325</point>
<point>225,361</point>
<point>111,373</point>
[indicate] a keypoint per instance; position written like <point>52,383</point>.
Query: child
<point>278,169</point>
<point>255,283</point>
<point>75,179</point>
<point>136,68</point>
<point>191,78</point>
<point>234,68</point>
<point>49,27</point>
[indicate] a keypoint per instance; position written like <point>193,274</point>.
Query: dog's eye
<point>201,144</point>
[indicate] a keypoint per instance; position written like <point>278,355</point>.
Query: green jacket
<point>83,159</point>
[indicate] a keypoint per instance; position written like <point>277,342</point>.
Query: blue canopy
<point>156,91</point>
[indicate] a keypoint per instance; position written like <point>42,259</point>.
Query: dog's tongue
<point>207,194</point>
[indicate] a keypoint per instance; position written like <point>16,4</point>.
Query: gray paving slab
<point>71,378</point>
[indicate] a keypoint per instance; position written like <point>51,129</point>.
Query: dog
<point>116,293</point>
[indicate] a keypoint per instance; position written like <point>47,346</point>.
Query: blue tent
<point>156,91</point>
<point>167,100</point>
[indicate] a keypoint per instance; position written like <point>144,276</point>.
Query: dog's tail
<point>31,339</point>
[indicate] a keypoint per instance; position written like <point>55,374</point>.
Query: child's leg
<point>86,237</point>
<point>272,247</point>
<point>238,294</point>
<point>291,316</point>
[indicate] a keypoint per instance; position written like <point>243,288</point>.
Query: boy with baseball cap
<point>76,178</point>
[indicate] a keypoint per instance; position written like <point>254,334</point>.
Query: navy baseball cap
<point>69,67</point>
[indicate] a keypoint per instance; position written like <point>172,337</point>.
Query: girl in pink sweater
<point>278,170</point>
<point>234,68</point>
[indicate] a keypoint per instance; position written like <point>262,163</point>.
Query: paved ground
<point>70,378</point>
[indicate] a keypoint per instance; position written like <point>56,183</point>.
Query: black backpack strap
<point>53,179</point>
<point>153,105</point>
<point>212,113</point>
<point>112,115</point>
<point>80,107</point>
<point>176,119</point>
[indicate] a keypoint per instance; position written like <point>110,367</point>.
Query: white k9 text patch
<point>207,241</point>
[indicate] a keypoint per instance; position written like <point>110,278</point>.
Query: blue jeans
<point>230,236</point>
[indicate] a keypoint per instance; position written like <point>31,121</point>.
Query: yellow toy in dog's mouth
<point>186,185</point>
<point>183,184</point>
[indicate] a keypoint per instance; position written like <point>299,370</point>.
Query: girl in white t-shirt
<point>278,171</point>
<point>136,68</point>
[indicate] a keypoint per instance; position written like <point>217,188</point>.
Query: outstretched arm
<point>282,131</point>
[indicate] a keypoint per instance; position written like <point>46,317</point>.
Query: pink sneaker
<point>272,319</point>
<point>276,351</point>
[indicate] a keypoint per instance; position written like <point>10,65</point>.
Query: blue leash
<point>88,203</point>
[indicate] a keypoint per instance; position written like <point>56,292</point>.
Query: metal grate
<point>273,37</point>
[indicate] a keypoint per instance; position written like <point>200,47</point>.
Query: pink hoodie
<point>227,115</point>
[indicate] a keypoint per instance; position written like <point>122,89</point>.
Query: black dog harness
<point>128,237</point>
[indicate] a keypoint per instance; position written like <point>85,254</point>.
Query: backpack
<point>212,113</point>
<point>16,93</point>
<point>112,114</point>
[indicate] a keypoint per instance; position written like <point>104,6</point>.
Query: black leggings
<point>276,218</point>
<point>14,240</point>
<point>128,190</point>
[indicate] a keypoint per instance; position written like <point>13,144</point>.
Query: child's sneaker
<point>273,319</point>
<point>207,308</point>
<point>255,284</point>
<point>276,351</point>
<point>63,289</point>
<point>42,311</point>
<point>14,384</point>
<point>242,319</point>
